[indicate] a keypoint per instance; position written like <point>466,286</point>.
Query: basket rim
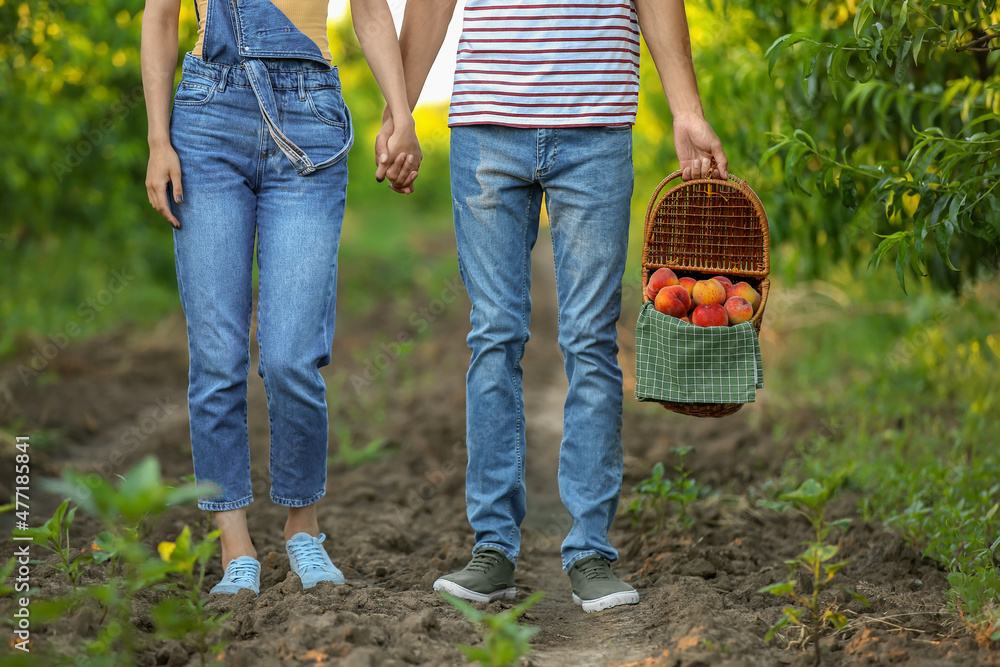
<point>732,181</point>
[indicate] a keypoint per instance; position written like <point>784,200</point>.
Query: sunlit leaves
<point>924,111</point>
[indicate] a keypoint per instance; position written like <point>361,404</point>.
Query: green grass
<point>67,288</point>
<point>906,403</point>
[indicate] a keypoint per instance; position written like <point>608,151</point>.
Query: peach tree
<point>908,134</point>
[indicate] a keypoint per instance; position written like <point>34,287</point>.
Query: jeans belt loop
<point>302,87</point>
<point>225,77</point>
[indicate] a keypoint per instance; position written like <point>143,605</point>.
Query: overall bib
<point>262,133</point>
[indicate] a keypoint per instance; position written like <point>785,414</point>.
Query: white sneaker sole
<point>464,593</point>
<point>608,601</point>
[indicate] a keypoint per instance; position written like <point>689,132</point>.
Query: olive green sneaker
<point>597,587</point>
<point>489,576</point>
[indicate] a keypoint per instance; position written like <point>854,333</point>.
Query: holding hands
<point>397,153</point>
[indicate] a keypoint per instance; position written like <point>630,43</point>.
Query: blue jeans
<point>238,185</point>
<point>498,176</point>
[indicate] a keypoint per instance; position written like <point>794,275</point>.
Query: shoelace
<point>242,572</point>
<point>598,568</point>
<point>309,554</point>
<point>483,561</point>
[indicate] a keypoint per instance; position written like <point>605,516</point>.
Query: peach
<point>686,319</point>
<point>707,292</point>
<point>661,278</point>
<point>747,292</point>
<point>668,303</point>
<point>726,282</point>
<point>682,295</point>
<point>738,309</point>
<point>687,283</point>
<point>710,315</point>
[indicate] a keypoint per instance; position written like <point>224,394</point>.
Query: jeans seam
<point>499,547</point>
<point>213,506</point>
<point>525,264</point>
<point>555,149</point>
<point>293,502</point>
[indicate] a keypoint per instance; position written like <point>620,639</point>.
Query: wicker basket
<point>703,228</point>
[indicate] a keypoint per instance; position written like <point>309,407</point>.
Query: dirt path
<point>568,637</point>
<point>397,523</point>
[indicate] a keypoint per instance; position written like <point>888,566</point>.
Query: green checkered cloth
<point>683,363</point>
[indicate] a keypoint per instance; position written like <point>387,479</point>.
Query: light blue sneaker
<point>310,561</point>
<point>242,572</point>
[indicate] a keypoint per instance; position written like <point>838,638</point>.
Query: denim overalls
<point>262,133</point>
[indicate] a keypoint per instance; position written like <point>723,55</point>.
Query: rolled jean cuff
<point>292,502</point>
<point>225,506</point>
<point>492,545</point>
<point>568,565</point>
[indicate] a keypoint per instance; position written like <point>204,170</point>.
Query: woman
<point>260,132</point>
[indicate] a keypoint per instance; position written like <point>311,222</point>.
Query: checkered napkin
<point>683,363</point>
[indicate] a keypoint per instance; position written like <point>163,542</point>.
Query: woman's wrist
<point>159,142</point>
<point>402,119</point>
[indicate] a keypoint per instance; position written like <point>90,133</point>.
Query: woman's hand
<point>164,167</point>
<point>397,153</point>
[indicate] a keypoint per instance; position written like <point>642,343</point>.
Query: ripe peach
<point>682,295</point>
<point>687,283</point>
<point>707,292</point>
<point>710,315</point>
<point>686,319</point>
<point>738,309</point>
<point>668,303</point>
<point>747,292</point>
<point>726,282</point>
<point>661,278</point>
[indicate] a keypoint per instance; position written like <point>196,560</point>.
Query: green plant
<point>53,535</point>
<point>131,568</point>
<point>815,616</point>
<point>355,456</point>
<point>184,615</point>
<point>505,641</point>
<point>658,492</point>
<point>973,597</point>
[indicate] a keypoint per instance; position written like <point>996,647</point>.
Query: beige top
<point>309,16</point>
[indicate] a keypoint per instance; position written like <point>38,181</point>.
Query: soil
<point>397,523</point>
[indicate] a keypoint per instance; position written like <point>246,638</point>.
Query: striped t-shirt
<point>544,63</point>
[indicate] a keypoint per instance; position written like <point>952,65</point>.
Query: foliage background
<point>832,109</point>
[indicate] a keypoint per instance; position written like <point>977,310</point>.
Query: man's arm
<point>665,28</point>
<point>425,25</point>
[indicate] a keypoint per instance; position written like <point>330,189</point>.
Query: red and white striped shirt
<point>545,63</point>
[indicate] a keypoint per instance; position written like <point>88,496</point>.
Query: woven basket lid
<point>708,226</point>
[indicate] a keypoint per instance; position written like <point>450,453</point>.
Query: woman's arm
<point>159,63</point>
<point>425,25</point>
<point>377,36</point>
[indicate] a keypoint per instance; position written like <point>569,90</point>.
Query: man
<point>544,99</point>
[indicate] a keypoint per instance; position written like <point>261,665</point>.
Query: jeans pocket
<point>192,93</point>
<point>327,104</point>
